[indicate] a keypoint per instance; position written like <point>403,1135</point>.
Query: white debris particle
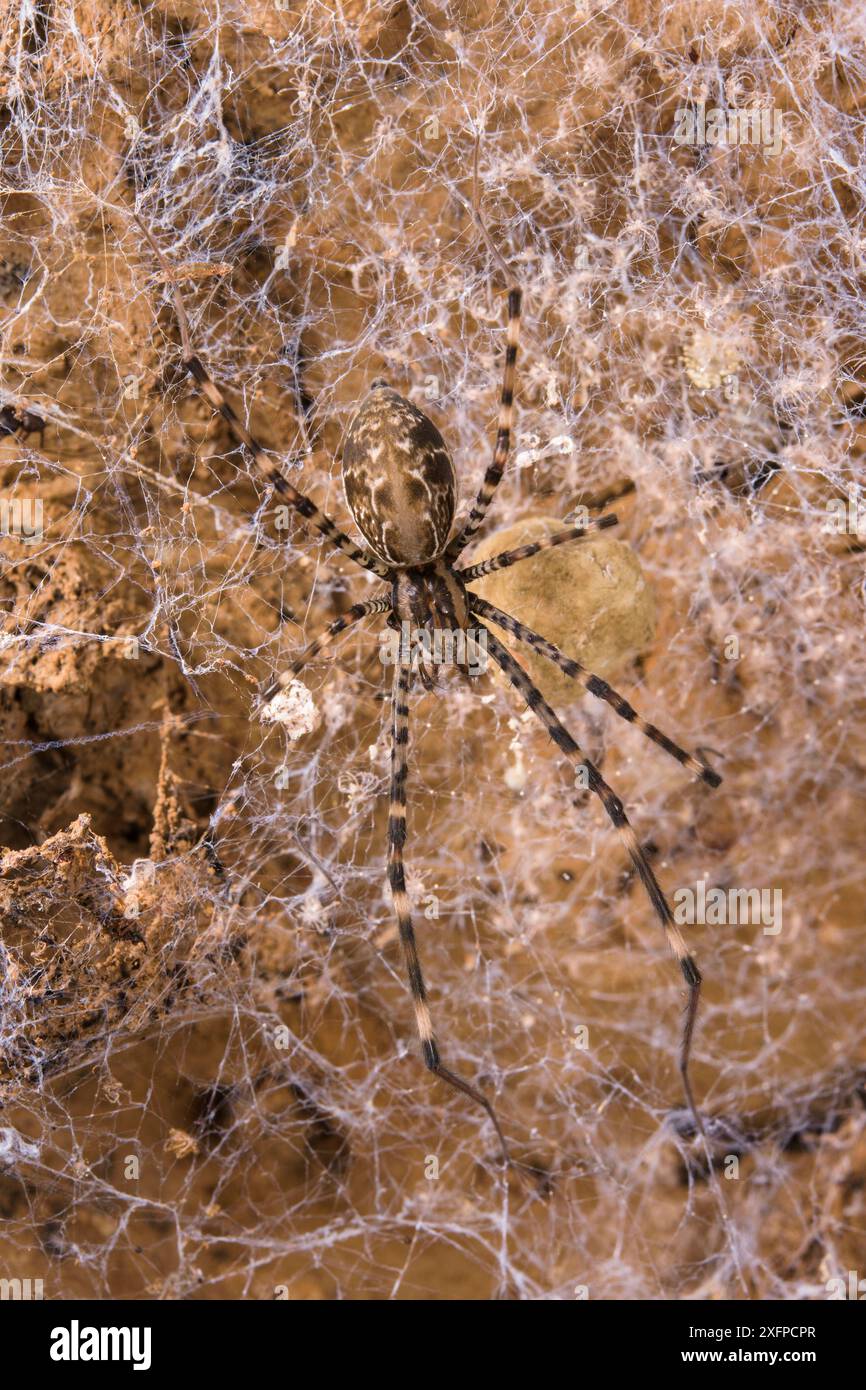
<point>294,709</point>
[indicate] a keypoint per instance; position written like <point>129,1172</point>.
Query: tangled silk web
<point>209,1077</point>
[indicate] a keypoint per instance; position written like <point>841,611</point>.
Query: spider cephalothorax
<point>401,490</point>
<point>431,596</point>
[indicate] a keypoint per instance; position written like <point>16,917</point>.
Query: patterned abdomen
<point>399,479</point>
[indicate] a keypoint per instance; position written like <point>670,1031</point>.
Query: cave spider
<point>401,489</point>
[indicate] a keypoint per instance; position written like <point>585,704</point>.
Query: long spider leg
<point>269,470</point>
<point>324,639</point>
<point>615,810</point>
<point>503,434</point>
<point>402,907</point>
<point>594,684</point>
<point>525,552</point>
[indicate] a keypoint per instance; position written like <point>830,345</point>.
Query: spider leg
<point>615,810</point>
<point>503,434</point>
<point>595,685</point>
<point>267,468</point>
<point>397,880</point>
<point>324,639</point>
<point>525,552</point>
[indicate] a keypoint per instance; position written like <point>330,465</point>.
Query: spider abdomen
<point>399,479</point>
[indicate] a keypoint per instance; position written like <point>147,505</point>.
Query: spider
<point>21,423</point>
<point>401,489</point>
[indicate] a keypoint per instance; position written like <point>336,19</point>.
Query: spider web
<point>209,1076</point>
